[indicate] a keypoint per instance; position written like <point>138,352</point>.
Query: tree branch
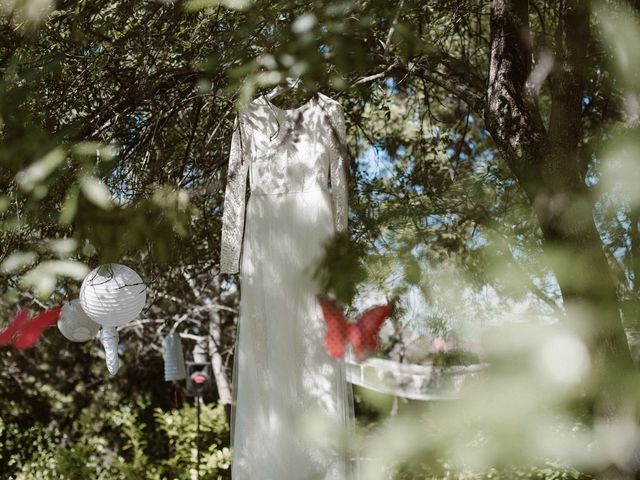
<point>462,90</point>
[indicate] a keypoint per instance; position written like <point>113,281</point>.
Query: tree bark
<point>547,165</point>
<point>217,363</point>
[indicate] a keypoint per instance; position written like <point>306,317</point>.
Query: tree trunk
<point>546,163</point>
<point>223,382</point>
<point>215,334</point>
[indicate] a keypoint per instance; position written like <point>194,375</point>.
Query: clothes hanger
<point>293,84</point>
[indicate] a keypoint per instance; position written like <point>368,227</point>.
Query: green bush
<point>180,428</point>
<point>117,445</point>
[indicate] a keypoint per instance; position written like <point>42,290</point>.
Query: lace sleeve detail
<point>338,167</point>
<point>234,200</point>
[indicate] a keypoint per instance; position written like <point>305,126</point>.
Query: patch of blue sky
<point>432,221</point>
<point>441,221</point>
<point>390,83</point>
<point>518,253</point>
<point>375,162</point>
<point>382,244</point>
<point>477,240</point>
<point>623,251</point>
<point>548,283</point>
<point>420,250</point>
<point>92,48</point>
<point>362,103</point>
<point>483,155</point>
<point>191,174</point>
<point>481,164</point>
<point>418,189</point>
<point>124,192</point>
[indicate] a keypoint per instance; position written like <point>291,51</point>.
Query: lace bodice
<point>283,152</point>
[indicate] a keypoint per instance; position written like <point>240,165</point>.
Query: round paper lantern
<point>75,325</point>
<point>113,295</point>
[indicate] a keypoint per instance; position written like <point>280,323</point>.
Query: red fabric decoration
<point>362,334</point>
<point>24,332</point>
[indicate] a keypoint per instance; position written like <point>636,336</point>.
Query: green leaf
<point>17,261</point>
<point>43,278</point>
<point>195,5</point>
<point>95,149</point>
<point>41,169</point>
<point>70,206</point>
<point>4,203</point>
<point>96,192</point>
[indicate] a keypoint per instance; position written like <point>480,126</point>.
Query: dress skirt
<point>292,415</point>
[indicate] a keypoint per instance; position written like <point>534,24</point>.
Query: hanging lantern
<point>74,324</point>
<point>174,368</point>
<point>113,295</point>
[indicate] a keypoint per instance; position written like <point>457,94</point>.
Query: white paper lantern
<point>174,367</point>
<point>113,295</point>
<point>75,325</point>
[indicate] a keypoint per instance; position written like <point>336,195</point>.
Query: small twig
<point>376,76</point>
<point>387,43</point>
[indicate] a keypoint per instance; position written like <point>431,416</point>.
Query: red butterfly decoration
<point>24,332</point>
<point>361,334</point>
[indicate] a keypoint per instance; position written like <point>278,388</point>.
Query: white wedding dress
<point>292,414</point>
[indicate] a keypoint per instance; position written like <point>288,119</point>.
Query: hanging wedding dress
<point>292,414</point>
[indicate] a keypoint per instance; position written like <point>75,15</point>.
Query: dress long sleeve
<point>234,200</point>
<point>338,168</point>
<point>290,157</point>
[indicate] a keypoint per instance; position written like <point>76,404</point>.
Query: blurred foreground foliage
<point>493,189</point>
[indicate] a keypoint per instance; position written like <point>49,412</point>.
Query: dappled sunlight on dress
<point>292,412</point>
